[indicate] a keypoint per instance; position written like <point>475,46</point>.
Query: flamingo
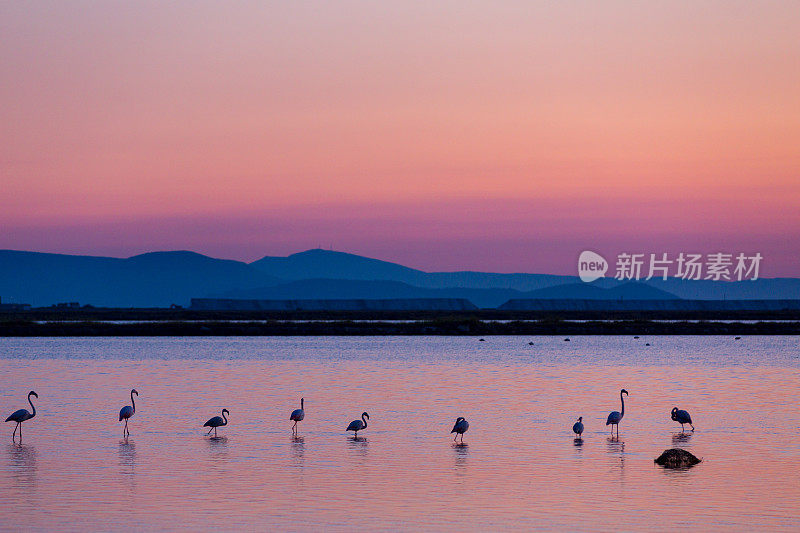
<point>128,411</point>
<point>461,426</point>
<point>615,416</point>
<point>577,427</point>
<point>216,422</point>
<point>298,415</point>
<point>358,425</point>
<point>21,416</point>
<point>679,415</point>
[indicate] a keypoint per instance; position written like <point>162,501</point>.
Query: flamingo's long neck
<point>302,400</point>
<point>224,418</point>
<point>133,404</point>
<point>364,419</point>
<point>622,400</point>
<point>33,409</point>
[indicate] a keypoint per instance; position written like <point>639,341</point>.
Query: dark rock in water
<point>737,338</point>
<point>566,340</point>
<point>647,344</point>
<point>676,458</point>
<point>530,343</point>
<point>482,340</point>
<point>636,336</point>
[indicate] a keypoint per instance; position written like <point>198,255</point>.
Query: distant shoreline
<point>179,323</point>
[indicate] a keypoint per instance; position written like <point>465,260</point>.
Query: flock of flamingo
<point>461,426</point>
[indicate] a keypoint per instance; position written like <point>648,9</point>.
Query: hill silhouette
<point>155,279</point>
<point>483,298</point>
<point>159,279</point>
<point>328,264</point>
<point>589,291</point>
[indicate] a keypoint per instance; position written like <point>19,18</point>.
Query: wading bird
<point>128,411</point>
<point>216,422</point>
<point>615,416</point>
<point>21,416</point>
<point>298,415</point>
<point>681,416</point>
<point>358,425</point>
<point>461,426</point>
<point>577,427</point>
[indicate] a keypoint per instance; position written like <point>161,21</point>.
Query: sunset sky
<point>504,136</point>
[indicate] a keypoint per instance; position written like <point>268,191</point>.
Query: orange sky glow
<point>448,135</point>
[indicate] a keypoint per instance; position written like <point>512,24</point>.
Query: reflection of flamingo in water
<point>461,455</point>
<point>298,415</point>
<point>216,422</point>
<point>128,411</point>
<point>127,455</point>
<point>21,416</point>
<point>614,417</point>
<point>615,446</point>
<point>358,425</point>
<point>681,437</point>
<point>23,459</point>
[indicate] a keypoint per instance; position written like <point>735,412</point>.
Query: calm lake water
<point>519,469</point>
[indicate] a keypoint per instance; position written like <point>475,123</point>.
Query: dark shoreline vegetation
<point>178,322</point>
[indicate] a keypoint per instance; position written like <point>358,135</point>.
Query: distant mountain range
<point>148,280</point>
<point>484,298</point>
<point>327,264</point>
<point>162,278</point>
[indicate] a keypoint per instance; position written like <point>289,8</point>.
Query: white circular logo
<point>591,266</point>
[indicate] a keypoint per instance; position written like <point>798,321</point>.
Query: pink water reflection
<point>519,467</point>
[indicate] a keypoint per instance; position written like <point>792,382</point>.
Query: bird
<point>358,425</point>
<point>21,416</point>
<point>216,422</point>
<point>681,416</point>
<point>298,415</point>
<point>577,427</point>
<point>128,411</point>
<point>461,426</point>
<point>615,416</point>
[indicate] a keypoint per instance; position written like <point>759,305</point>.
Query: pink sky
<point>487,136</point>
